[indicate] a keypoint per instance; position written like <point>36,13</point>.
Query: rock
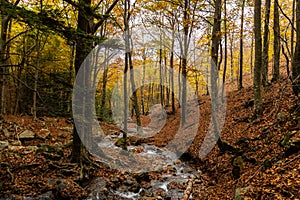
<point>128,182</point>
<point>177,162</point>
<point>171,169</point>
<point>43,133</point>
<point>97,188</point>
<point>27,134</point>
<point>239,193</point>
<point>46,196</point>
<point>6,133</point>
<point>146,193</point>
<point>3,144</point>
<point>16,143</point>
<point>142,176</point>
<point>146,185</point>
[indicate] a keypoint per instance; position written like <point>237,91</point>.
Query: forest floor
<point>265,164</point>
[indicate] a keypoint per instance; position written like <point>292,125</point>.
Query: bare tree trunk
<point>231,57</point>
<point>251,56</point>
<point>3,57</point>
<point>179,82</point>
<point>71,75</point>
<point>36,76</point>
<point>265,58</point>
<point>296,57</point>
<point>104,80</point>
<point>292,29</point>
<point>225,37</point>
<point>143,83</point>
<point>276,63</point>
<point>216,39</point>
<point>241,47</point>
<point>186,17</point>
<point>125,129</point>
<point>172,72</point>
<point>258,60</point>
<point>161,73</point>
<point>83,48</point>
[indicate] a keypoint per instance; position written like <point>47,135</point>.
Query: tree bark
<point>225,38</point>
<point>265,58</point>
<point>241,47</point>
<point>4,28</point>
<point>258,60</point>
<point>296,57</point>
<point>83,48</point>
<point>276,63</point>
<point>216,39</point>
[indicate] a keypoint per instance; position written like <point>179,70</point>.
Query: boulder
<point>3,144</point>
<point>27,134</point>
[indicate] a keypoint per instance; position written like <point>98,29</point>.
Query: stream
<point>169,182</point>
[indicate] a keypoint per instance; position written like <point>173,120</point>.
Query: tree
<point>258,60</point>
<point>296,56</point>
<point>215,43</point>
<point>87,26</point>
<point>226,51</point>
<point>276,63</point>
<point>129,64</point>
<point>5,21</point>
<point>266,44</point>
<point>241,46</point>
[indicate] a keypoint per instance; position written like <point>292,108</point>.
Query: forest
<point>149,99</point>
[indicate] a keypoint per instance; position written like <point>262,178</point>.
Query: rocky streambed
<point>168,179</point>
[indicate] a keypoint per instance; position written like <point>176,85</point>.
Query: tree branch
<point>105,16</point>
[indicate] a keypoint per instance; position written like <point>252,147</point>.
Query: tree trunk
<point>4,29</point>
<point>251,56</point>
<point>172,73</point>
<point>296,57</point>
<point>186,23</point>
<point>104,80</point>
<point>292,29</point>
<point>143,83</point>
<point>225,38</point>
<point>276,63</point>
<point>241,47</point>
<point>136,107</point>
<point>265,58</point>
<point>216,39</point>
<point>36,76</point>
<point>231,57</point>
<point>83,48</point>
<point>258,60</point>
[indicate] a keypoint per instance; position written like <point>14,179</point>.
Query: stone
<point>3,144</point>
<point>6,133</point>
<point>239,193</point>
<point>171,169</point>
<point>177,162</point>
<point>46,196</point>
<point>43,133</point>
<point>16,143</point>
<point>27,134</point>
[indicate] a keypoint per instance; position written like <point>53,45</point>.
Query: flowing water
<point>176,173</point>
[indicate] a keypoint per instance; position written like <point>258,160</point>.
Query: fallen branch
<point>11,175</point>
<point>249,179</point>
<point>291,160</point>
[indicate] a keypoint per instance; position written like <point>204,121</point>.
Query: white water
<point>183,171</point>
